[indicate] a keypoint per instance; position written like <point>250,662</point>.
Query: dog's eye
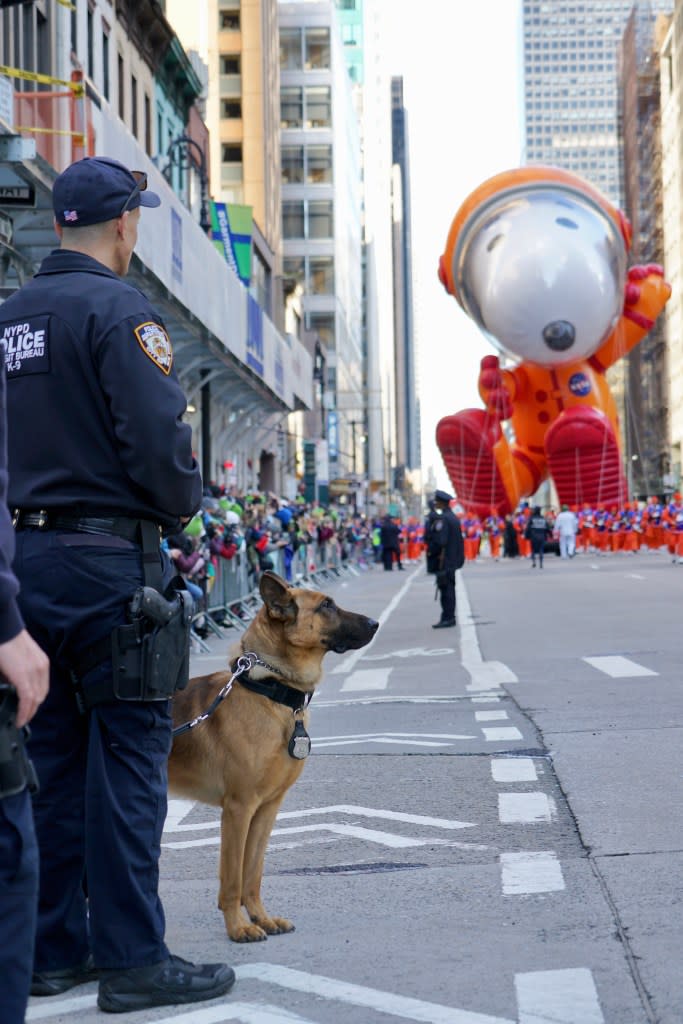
<point>327,605</point>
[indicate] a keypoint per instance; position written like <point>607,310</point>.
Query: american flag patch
<point>70,215</point>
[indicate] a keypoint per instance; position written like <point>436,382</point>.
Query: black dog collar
<point>276,691</point>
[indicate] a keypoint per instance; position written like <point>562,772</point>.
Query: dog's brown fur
<point>238,758</point>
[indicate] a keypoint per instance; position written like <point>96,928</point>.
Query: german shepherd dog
<point>239,758</point>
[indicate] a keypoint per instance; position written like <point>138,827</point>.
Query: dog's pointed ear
<point>277,597</point>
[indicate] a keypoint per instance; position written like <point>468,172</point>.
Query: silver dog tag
<point>300,743</point>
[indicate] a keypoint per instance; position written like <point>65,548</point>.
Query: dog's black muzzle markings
<point>350,635</point>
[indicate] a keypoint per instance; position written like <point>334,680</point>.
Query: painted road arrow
<point>178,809</point>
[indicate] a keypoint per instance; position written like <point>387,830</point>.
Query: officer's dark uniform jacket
<point>447,534</point>
<point>110,438</point>
<point>537,529</point>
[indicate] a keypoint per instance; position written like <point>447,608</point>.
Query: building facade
<point>646,426</point>
<point>321,215</point>
<point>238,370</point>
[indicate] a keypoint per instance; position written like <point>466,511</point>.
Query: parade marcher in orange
<point>494,527</point>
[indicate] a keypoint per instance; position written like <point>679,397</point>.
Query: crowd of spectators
<point>262,531</point>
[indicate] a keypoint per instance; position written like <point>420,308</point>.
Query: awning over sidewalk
<point>224,340</point>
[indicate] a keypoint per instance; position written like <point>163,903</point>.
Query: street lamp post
<point>179,155</point>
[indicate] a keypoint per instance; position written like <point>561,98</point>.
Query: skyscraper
<point>571,52</point>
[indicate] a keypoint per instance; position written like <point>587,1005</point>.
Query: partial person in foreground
<point>24,678</point>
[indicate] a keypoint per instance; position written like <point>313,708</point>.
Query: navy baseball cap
<point>97,189</point>
<point>443,496</point>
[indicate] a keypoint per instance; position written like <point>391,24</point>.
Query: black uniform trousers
<point>18,904</point>
<point>101,807</point>
<point>446,585</point>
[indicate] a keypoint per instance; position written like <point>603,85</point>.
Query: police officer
<point>447,536</point>
<point>24,672</point>
<point>100,461</point>
<point>537,531</point>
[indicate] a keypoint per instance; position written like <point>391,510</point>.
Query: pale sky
<point>460,64</point>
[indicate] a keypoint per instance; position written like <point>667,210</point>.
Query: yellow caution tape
<point>48,131</point>
<point>33,76</point>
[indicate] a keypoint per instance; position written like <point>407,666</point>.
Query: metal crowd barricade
<point>234,597</point>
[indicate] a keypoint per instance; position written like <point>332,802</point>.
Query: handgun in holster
<point>151,653</point>
<point>16,769</point>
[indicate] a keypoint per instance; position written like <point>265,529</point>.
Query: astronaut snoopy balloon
<point>538,259</point>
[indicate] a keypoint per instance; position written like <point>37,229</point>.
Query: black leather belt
<point>127,527</point>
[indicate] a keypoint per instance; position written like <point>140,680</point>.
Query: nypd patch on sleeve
<point>26,346</point>
<point>155,343</point>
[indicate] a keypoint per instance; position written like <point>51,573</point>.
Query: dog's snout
<point>559,335</point>
<point>373,626</point>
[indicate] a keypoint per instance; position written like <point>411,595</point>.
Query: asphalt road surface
<point>489,829</point>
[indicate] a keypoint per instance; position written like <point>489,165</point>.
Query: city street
<point>489,829</point>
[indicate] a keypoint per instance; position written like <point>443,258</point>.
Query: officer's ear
<point>58,228</point>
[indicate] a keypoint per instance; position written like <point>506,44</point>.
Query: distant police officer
<point>24,674</point>
<point>537,531</point>
<point>99,460</point>
<point>446,534</point>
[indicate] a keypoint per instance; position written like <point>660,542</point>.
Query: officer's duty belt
<point>127,527</point>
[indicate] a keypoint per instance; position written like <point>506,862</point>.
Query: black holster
<point>151,654</point>
<point>16,770</point>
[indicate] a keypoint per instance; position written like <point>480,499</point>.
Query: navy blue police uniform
<point>446,537</point>
<point>18,846</point>
<point>537,531</point>
<point>100,461</point>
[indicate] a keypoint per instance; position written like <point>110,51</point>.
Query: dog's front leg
<point>257,843</point>
<point>235,823</point>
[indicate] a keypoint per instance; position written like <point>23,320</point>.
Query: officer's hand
<point>25,665</point>
<point>441,577</point>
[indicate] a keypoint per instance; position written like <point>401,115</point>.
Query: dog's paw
<point>275,925</point>
<point>247,933</point>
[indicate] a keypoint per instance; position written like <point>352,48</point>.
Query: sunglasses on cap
<point>140,186</point>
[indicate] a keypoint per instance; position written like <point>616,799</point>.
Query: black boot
<point>53,983</point>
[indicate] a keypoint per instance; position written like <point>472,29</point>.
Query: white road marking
<point>634,576</point>
<point>369,998</point>
<point>619,668</point>
<point>490,716</point>
<point>337,828</point>
<point>412,652</point>
<point>543,997</point>
<point>515,808</point>
<point>367,679</point>
<point>524,873</point>
<point>245,1013</point>
<point>497,735</point>
<point>421,699</point>
<point>485,675</point>
<point>349,742</point>
<point>513,769</point>
<point>560,997</point>
<point>40,1010</point>
<point>372,812</point>
<point>485,700</point>
<point>177,811</point>
<point>392,738</point>
<point>348,664</point>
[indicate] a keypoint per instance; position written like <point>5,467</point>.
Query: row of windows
<point>552,67</point>
<point>306,107</point>
<point>307,218</point>
<point>315,274</point>
<point>310,165</point>
<point>305,49</point>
